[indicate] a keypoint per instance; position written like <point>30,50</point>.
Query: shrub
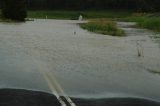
<point>103,26</point>
<point>14,9</point>
<point>150,23</point>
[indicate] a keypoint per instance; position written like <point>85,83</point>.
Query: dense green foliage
<point>152,23</point>
<point>137,5</point>
<point>14,9</point>
<point>103,26</point>
<point>61,14</point>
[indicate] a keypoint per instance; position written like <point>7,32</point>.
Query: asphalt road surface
<point>57,56</point>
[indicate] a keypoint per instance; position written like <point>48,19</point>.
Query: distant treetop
<point>14,9</point>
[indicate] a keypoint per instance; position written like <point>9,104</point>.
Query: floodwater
<point>83,63</point>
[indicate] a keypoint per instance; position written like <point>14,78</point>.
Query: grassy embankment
<point>103,26</point>
<point>148,22</point>
<point>60,14</point>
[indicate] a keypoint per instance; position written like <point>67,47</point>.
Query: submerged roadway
<point>57,56</point>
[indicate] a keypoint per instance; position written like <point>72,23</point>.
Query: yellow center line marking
<point>53,85</point>
<point>52,88</point>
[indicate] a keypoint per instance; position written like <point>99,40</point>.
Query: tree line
<point>14,9</point>
<point>137,5</point>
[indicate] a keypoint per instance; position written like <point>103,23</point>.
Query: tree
<point>134,5</point>
<point>14,9</point>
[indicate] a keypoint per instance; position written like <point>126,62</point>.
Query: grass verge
<point>152,23</point>
<point>61,14</point>
<point>103,26</point>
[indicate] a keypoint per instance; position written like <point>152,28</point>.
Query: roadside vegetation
<point>142,20</point>
<point>146,21</point>
<point>103,26</point>
<point>73,15</point>
<point>123,10</point>
<point>14,10</point>
<point>150,23</point>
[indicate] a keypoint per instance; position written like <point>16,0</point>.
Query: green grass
<point>143,21</point>
<point>103,26</point>
<point>152,23</point>
<point>61,14</point>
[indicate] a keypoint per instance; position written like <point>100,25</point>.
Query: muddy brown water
<point>85,64</point>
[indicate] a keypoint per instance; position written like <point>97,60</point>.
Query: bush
<point>14,9</point>
<point>103,26</point>
<point>150,23</point>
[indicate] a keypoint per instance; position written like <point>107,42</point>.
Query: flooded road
<point>83,63</point>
